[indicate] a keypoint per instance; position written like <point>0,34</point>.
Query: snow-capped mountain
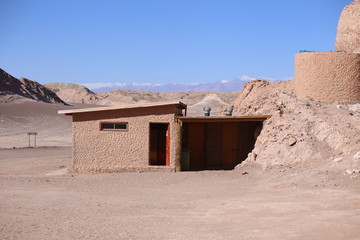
<point>223,85</point>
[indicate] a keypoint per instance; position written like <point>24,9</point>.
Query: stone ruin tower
<point>333,76</point>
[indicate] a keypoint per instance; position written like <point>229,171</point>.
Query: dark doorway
<point>218,145</point>
<point>159,144</point>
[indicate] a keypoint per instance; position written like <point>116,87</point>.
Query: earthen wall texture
<point>348,30</point>
<point>328,76</point>
<point>97,151</point>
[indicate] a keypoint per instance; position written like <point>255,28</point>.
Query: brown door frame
<point>167,147</point>
<point>167,142</point>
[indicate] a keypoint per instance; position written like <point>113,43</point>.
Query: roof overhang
<point>130,106</point>
<point>255,118</point>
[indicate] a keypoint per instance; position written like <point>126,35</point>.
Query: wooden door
<point>213,145</point>
<point>159,144</point>
<point>230,148</point>
<point>196,145</point>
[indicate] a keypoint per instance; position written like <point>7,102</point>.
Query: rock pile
<point>300,131</point>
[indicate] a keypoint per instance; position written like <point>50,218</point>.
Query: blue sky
<point>159,41</point>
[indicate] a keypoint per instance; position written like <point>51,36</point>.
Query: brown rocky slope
<point>304,132</point>
<point>73,93</point>
<point>13,89</point>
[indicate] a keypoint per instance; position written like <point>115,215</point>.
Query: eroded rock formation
<point>13,89</point>
<point>348,31</point>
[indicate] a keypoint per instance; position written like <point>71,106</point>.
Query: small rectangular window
<point>114,126</point>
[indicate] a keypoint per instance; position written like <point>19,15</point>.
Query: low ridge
<point>73,93</point>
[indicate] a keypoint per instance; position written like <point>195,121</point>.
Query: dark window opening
<point>114,126</point>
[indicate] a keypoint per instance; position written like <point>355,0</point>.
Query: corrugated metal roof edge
<point>130,106</point>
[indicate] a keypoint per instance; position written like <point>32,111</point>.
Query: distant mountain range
<point>13,90</point>
<point>217,95</point>
<point>222,86</point>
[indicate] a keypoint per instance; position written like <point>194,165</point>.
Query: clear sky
<point>159,41</point>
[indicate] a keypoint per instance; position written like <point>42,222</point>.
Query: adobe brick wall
<point>115,151</point>
<point>348,30</point>
<point>328,76</point>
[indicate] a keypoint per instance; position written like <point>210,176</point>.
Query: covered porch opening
<point>217,143</point>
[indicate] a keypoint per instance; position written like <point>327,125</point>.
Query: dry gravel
<point>38,202</point>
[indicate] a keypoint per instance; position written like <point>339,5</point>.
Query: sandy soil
<point>22,116</point>
<point>38,200</point>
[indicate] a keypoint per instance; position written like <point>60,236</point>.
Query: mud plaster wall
<point>348,31</point>
<point>328,76</point>
<point>113,151</point>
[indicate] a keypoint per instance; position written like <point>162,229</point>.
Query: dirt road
<point>39,201</point>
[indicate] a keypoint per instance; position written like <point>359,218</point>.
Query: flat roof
<point>243,118</point>
<point>130,106</point>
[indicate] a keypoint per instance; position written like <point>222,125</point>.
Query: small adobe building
<point>158,137</point>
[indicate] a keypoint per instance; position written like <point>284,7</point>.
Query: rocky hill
<point>301,132</point>
<point>138,96</point>
<point>73,93</point>
<point>13,89</point>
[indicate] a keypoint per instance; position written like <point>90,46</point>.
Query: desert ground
<point>21,117</point>
<point>40,200</point>
<point>282,194</point>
